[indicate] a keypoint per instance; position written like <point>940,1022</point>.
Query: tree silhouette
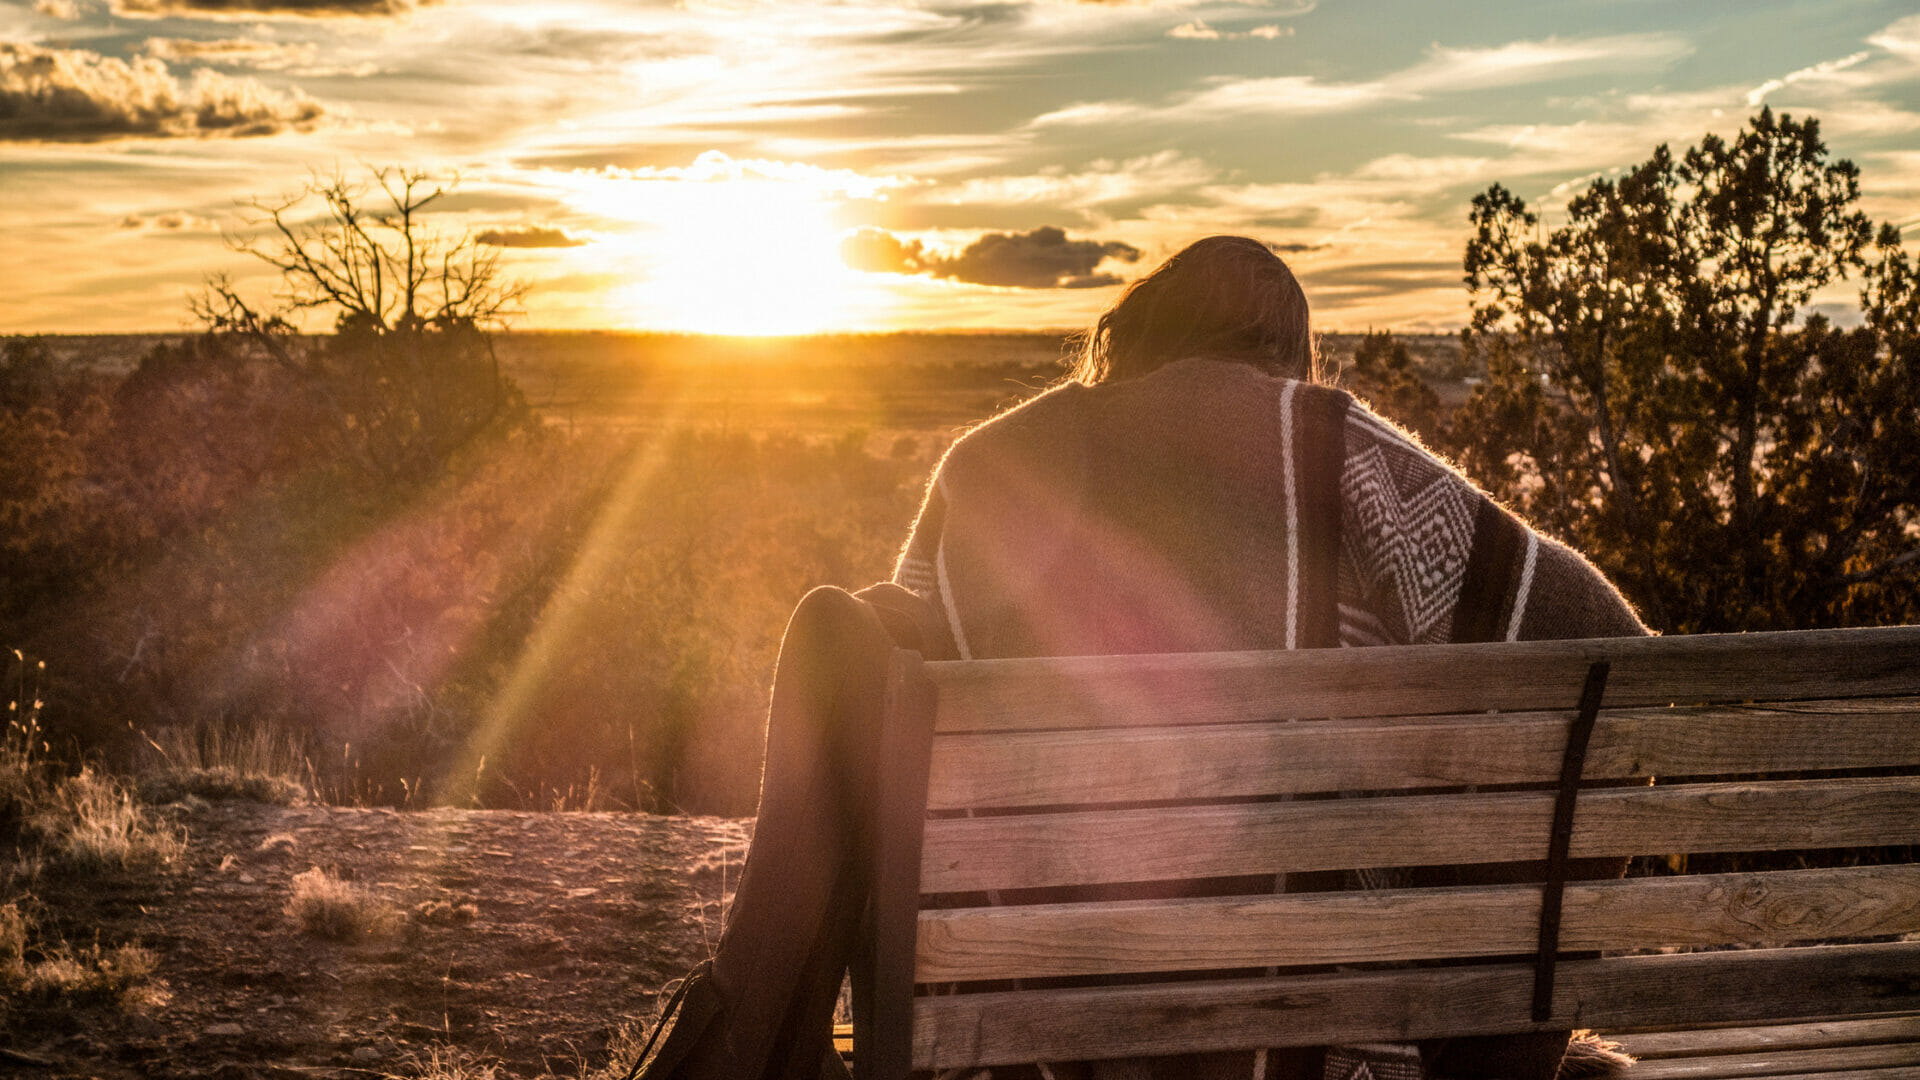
<point>409,375</point>
<point>1655,396</point>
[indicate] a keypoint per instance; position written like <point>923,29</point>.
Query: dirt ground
<point>576,921</point>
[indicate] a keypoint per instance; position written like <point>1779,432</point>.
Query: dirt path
<point>576,920</point>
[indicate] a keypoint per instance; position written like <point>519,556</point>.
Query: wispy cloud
<point>1901,38</point>
<point>234,52</point>
<point>1198,30</point>
<point>1444,70</point>
<point>1821,70</point>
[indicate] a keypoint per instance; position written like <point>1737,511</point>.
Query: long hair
<point>1226,296</point>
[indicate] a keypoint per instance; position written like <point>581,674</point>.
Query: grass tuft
<point>92,822</point>
<point>444,913</point>
<point>217,783</point>
<point>443,1062</point>
<point>327,907</point>
<point>57,974</point>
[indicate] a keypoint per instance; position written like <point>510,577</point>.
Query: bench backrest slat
<point>1199,934</point>
<point>1102,847</point>
<point>1063,768</point>
<point>1203,688</point>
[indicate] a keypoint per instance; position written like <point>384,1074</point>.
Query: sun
<point>743,255</point>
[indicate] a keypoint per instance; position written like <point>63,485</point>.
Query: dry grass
<point>444,913</point>
<point>219,782</point>
<point>57,974</point>
<point>89,822</point>
<point>92,823</point>
<point>623,1049</point>
<point>443,1062</point>
<point>260,763</point>
<point>327,907</point>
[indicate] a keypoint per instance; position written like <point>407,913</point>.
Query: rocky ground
<point>519,940</point>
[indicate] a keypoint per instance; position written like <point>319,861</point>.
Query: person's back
<point>1223,500</point>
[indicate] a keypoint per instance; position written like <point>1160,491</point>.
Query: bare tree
<point>409,373</point>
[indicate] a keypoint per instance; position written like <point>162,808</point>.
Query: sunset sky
<point>745,166</point>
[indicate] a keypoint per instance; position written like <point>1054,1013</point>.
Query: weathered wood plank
<point>1778,1062</point>
<point>977,944</point>
<point>1066,692</point>
<point>959,1030</point>
<point>1059,768</point>
<point>1079,848</point>
<point>1896,1073</point>
<point>1740,1040</point>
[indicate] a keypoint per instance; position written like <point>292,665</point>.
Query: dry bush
<point>327,907</point>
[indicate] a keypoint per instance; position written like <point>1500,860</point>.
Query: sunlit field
<point>582,610</point>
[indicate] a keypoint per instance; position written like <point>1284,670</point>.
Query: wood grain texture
<point>1088,847</point>
<point>1642,991</point>
<point>977,944</point>
<point>1063,768</point>
<point>1070,692</point>
<point>1742,1040</point>
<point>1770,1063</point>
<point>1896,1073</point>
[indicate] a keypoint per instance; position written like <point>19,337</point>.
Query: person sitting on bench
<point>1191,485</point>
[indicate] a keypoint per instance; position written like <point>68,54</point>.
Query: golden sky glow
<point>750,166</point>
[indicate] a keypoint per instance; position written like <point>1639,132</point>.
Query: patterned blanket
<point>1207,506</point>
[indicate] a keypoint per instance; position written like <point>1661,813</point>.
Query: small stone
<point>246,879</point>
<point>366,1053</point>
<point>225,1029</point>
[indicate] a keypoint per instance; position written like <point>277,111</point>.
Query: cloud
<point>1101,183</point>
<point>878,251</point>
<point>264,9</point>
<point>171,221</point>
<point>1198,30</point>
<point>1759,93</point>
<point>1901,38</point>
<point>233,52</point>
<point>73,95</point>
<point>1444,70</point>
<point>1383,279</point>
<point>1518,63</point>
<point>1042,259</point>
<point>58,9</point>
<point>528,236</point>
<point>714,166</point>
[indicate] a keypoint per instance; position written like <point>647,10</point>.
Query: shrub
<point>327,907</point>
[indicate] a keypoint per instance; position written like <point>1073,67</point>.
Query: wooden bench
<point>1014,774</point>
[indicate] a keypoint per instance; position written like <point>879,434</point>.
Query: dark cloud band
<point>73,95</point>
<point>528,236</point>
<point>1044,258</point>
<point>264,9</point>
